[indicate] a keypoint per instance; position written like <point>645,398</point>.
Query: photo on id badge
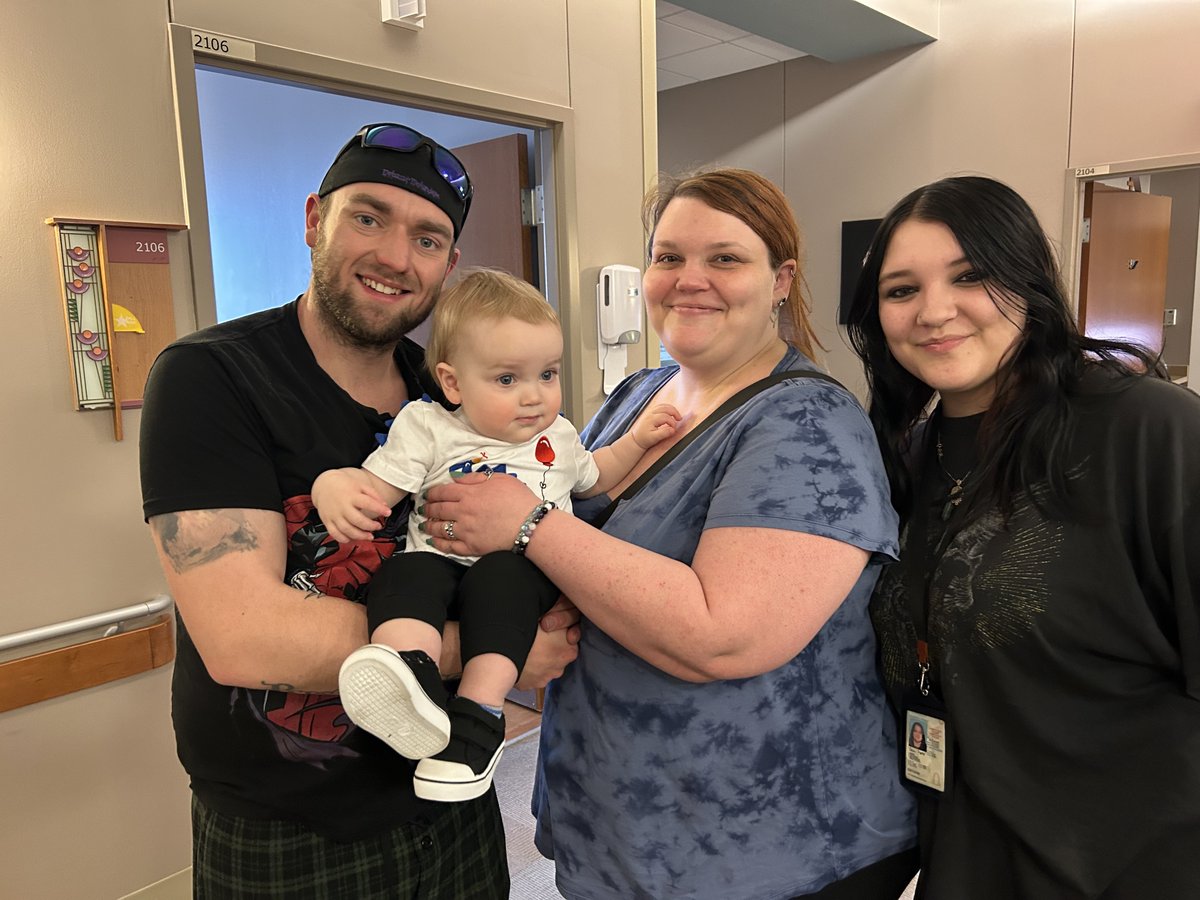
<point>925,750</point>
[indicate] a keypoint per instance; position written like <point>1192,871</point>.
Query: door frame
<point>553,153</point>
<point>1074,180</point>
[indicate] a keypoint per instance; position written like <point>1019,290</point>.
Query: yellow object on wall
<point>124,320</point>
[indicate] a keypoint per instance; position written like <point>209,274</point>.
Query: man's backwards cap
<point>413,171</point>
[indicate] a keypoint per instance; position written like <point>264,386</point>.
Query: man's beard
<point>337,306</point>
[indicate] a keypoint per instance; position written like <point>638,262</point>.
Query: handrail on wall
<point>91,662</point>
<point>85,623</point>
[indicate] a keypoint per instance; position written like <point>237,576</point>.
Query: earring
<point>775,311</point>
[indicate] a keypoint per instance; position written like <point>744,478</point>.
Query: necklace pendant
<point>955,495</point>
<point>954,498</point>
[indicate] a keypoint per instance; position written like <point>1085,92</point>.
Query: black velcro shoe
<point>463,771</point>
<point>398,696</point>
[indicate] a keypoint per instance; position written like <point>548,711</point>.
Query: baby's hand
<point>350,509</point>
<point>656,424</point>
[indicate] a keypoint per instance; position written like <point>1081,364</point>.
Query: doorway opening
<point>266,143</point>
<point>1135,247</point>
<point>268,156</point>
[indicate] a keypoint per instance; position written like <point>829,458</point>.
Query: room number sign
<point>220,45</point>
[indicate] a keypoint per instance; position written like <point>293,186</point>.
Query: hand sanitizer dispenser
<point>619,319</point>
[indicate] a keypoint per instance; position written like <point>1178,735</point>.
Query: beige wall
<point>95,804</point>
<point>714,122</point>
<point>920,14</point>
<point>518,49</point>
<point>850,139</point>
<point>94,801</point>
<point>610,165</point>
<point>994,95</point>
<point>1137,80</point>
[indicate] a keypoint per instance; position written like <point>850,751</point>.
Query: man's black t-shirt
<point>241,416</point>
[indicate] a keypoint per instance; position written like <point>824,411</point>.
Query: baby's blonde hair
<point>483,294</point>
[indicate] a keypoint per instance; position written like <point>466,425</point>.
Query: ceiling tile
<point>832,30</point>
<point>662,8</point>
<point>718,60</point>
<point>703,24</point>
<point>768,47</point>
<point>673,40</point>
<point>668,80</point>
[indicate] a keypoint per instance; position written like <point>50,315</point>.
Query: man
<point>289,798</point>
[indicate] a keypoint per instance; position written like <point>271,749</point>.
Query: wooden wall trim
<point>65,670</point>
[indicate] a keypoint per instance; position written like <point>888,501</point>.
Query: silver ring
<point>490,473</point>
<point>448,529</point>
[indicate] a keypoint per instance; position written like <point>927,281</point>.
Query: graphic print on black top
<point>337,570</point>
<point>307,728</point>
<point>988,611</point>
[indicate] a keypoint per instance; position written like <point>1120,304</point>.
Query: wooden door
<point>495,234</point>
<point>1123,264</point>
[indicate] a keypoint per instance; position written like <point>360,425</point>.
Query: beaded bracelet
<point>530,523</point>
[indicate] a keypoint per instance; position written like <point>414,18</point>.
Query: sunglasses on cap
<point>403,139</point>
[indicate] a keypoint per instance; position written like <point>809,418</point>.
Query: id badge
<point>926,746</point>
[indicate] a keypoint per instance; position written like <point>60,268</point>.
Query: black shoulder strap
<point>719,413</point>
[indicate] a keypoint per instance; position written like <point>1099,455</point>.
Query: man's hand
<point>554,648</point>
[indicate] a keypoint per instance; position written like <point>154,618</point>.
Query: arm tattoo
<point>282,686</point>
<point>191,539</point>
<point>302,581</point>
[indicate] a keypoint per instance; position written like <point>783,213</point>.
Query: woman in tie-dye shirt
<point>723,733</point>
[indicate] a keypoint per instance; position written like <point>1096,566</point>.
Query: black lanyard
<point>919,573</point>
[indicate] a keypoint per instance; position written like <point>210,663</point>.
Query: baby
<point>496,350</point>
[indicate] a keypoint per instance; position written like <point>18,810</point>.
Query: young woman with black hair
<point>1044,620</point>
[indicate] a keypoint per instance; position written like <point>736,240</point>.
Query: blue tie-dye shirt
<point>765,787</point>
